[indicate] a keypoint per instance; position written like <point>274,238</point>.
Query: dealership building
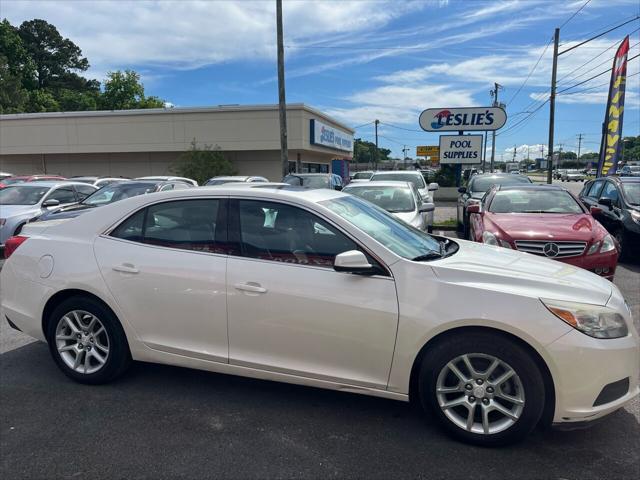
<point>134,143</point>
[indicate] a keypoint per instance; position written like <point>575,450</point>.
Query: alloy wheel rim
<point>480,393</point>
<point>82,342</point>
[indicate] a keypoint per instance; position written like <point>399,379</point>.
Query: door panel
<point>290,312</point>
<point>311,321</point>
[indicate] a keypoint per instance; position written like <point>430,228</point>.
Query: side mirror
<point>607,202</point>
<point>353,261</point>
<point>462,190</point>
<point>473,208</point>
<point>433,186</point>
<point>595,211</point>
<point>51,203</point>
<point>426,208</point>
<point>338,187</point>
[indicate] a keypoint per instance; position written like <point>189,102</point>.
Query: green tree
<point>124,91</point>
<point>364,152</point>
<point>202,163</point>
<point>55,58</point>
<point>13,97</point>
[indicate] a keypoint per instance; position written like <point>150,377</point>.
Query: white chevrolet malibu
<point>321,288</point>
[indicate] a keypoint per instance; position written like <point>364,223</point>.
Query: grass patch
<point>451,222</point>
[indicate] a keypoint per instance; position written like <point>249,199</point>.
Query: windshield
<point>397,236</point>
<point>482,184</point>
<point>363,175</point>
<point>417,180</point>
<point>312,182</point>
<point>21,195</point>
<point>392,199</point>
<point>114,193</point>
<point>534,201</point>
<point>631,192</point>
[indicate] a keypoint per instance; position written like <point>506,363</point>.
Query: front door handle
<point>252,287</point>
<point>126,268</point>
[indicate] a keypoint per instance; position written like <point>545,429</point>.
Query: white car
<point>168,178</point>
<point>235,179</point>
<point>399,198</point>
<point>321,288</point>
<point>415,177</point>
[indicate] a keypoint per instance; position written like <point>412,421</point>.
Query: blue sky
<point>365,59</point>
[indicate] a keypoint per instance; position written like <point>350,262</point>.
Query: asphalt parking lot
<point>166,422</point>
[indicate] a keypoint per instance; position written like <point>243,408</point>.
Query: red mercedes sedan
<point>544,220</point>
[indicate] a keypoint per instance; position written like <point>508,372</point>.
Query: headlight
<point>607,244</point>
<point>490,239</point>
<point>592,320</point>
<point>594,248</point>
<point>635,216</point>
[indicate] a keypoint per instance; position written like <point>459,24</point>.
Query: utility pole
<point>552,104</point>
<point>514,152</point>
<point>494,94</point>
<point>404,156</point>
<point>376,155</point>
<point>282,102</point>
<point>579,144</point>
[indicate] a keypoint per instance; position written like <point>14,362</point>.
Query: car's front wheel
<point>483,388</point>
<point>87,341</point>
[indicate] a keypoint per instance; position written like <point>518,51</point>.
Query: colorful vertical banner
<point>611,143</point>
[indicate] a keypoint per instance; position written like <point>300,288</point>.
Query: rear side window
<point>197,225</point>
<point>63,195</point>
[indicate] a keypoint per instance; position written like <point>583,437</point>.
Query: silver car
<point>24,202</point>
<point>235,179</point>
<point>415,177</point>
<point>402,199</point>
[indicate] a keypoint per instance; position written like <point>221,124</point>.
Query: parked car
<point>558,173</point>
<point>630,171</point>
<point>5,182</point>
<point>322,288</point>
<point>544,220</point>
<point>168,178</point>
<point>415,177</point>
<point>402,199</point>
<point>4,175</point>
<point>592,172</point>
<point>618,199</point>
<point>234,179</point>
<point>114,192</point>
<point>27,201</point>
<point>573,176</point>
<point>98,181</point>
<point>476,188</point>
<point>315,180</point>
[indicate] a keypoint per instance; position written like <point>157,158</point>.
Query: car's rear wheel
<point>87,341</point>
<point>623,247</point>
<point>483,388</point>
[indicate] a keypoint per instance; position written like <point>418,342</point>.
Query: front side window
<point>183,224</point>
<point>283,233</point>
<point>63,195</point>
<point>610,191</point>
<point>596,188</point>
<point>84,191</point>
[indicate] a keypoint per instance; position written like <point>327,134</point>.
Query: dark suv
<point>618,203</point>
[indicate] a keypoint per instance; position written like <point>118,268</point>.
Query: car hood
<point>8,211</point>
<point>501,269</point>
<point>545,226</point>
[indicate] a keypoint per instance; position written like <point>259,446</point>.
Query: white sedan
<point>321,288</point>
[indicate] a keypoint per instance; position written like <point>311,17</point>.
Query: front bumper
<point>603,264</point>
<point>585,367</point>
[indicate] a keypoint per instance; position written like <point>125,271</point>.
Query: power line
<point>402,128</point>
<point>576,13</point>
<point>616,43</point>
<point>598,36</point>
<point>531,71</point>
<point>364,125</point>
<point>595,76</point>
<point>523,120</point>
<point>582,35</point>
<point>597,86</point>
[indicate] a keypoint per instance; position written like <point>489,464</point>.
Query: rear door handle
<point>126,268</point>
<point>252,287</point>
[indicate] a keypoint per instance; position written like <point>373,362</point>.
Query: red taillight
<point>12,244</point>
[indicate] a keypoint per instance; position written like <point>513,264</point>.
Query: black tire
<point>119,356</point>
<point>499,347</point>
<point>624,254</point>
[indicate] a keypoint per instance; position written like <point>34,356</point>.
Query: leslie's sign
<point>467,119</point>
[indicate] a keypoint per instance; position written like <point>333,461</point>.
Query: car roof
<point>380,183</point>
<point>397,172</point>
<point>47,183</point>
<point>309,174</point>
<point>231,177</point>
<point>530,186</point>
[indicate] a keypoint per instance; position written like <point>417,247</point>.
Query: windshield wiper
<point>427,256</point>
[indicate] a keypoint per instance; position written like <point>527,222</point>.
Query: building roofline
<point>173,111</point>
